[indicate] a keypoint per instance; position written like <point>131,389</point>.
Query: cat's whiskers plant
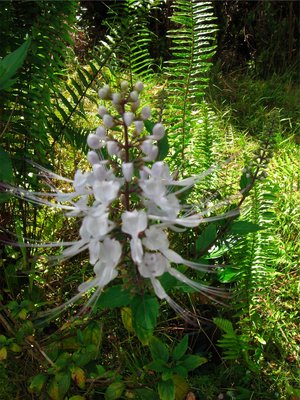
<point>127,203</point>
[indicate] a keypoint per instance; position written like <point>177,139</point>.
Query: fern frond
<point>192,47</point>
<point>129,20</point>
<point>256,253</point>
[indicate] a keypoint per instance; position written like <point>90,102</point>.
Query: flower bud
<point>139,86</point>
<point>99,172</point>
<point>124,86</point>
<point>127,169</point>
<point>101,132</point>
<point>158,131</point>
<point>104,92</point>
<point>93,141</point>
<point>108,121</point>
<point>146,112</point>
<point>102,111</point>
<point>128,118</point>
<point>135,105</point>
<point>133,96</point>
<point>92,157</point>
<point>112,148</point>
<point>139,126</point>
<point>116,98</point>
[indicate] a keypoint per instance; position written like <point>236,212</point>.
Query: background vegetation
<point>224,79</point>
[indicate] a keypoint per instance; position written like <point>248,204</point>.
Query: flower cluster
<point>128,201</point>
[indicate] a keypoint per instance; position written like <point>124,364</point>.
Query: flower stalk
<point>128,202</point>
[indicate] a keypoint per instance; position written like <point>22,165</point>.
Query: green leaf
<point>158,349</point>
<point>145,394</point>
<point>163,148</point>
<point>180,349</point>
<point>169,282</point>
<point>114,391</point>
<point>244,227</point>
<point>206,237</point>
<point>149,126</point>
<point>3,339</point>
<point>59,386</point>
<point>113,297</point>
<point>144,314</point>
<point>92,334</point>
<point>157,365</point>
<point>225,325</point>
<point>37,383</point>
<point>6,171</point>
<point>191,362</point>
<point>229,274</point>
<point>11,63</point>
<point>245,181</point>
<point>166,390</point>
<point>181,371</point>
<point>15,348</point>
<point>166,375</point>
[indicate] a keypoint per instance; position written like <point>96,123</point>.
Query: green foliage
<point>28,106</point>
<point>44,110</point>
<point>144,316</point>
<point>173,365</point>
<point>11,63</point>
<point>129,20</point>
<point>192,48</point>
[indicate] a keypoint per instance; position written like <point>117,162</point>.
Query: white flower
<point>133,223</point>
<point>98,197</point>
<point>153,189</point>
<point>127,169</point>
<point>153,265</point>
<point>105,268</point>
<point>149,149</point>
<point>155,238</point>
<point>106,191</point>
<point>100,172</point>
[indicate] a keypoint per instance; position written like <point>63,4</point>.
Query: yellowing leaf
<point>22,314</point>
<point>59,386</point>
<point>78,377</point>
<point>15,348</point>
<point>126,316</point>
<point>181,387</point>
<point>3,353</point>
